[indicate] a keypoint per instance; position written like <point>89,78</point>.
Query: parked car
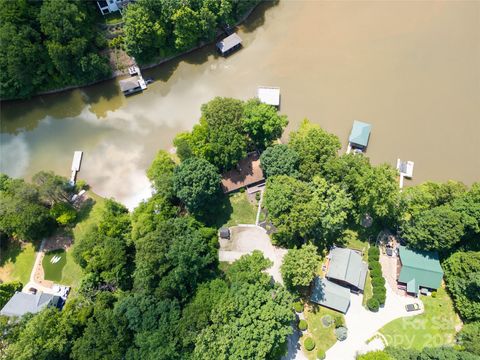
<point>412,307</point>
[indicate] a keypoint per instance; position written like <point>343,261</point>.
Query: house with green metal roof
<point>359,135</point>
<point>330,295</point>
<point>347,268</point>
<point>419,269</point>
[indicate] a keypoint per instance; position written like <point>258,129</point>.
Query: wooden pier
<point>76,163</point>
<point>405,169</point>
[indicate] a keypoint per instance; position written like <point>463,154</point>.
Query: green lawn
<point>243,211</point>
<point>53,263</point>
<point>324,336</point>
<point>89,215</point>
<point>435,327</point>
<point>19,266</point>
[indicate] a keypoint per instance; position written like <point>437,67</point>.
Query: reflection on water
<point>411,69</point>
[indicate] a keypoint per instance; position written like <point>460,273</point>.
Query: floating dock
<point>135,83</point>
<point>269,95</point>
<point>76,163</point>
<point>229,44</point>
<point>405,169</point>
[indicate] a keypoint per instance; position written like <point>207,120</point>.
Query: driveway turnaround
<point>363,324</point>
<point>244,239</point>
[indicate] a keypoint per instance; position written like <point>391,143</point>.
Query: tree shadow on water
<point>257,17</point>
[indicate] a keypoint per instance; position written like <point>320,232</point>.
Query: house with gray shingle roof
<point>21,303</point>
<point>330,295</point>
<point>347,268</point>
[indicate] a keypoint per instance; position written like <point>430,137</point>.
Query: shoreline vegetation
<point>156,269</point>
<point>143,66</point>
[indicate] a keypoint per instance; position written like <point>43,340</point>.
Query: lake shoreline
<point>118,74</point>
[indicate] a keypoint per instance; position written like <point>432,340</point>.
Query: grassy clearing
<point>53,263</point>
<point>434,328</point>
<point>88,216</point>
<point>17,262</point>
<point>243,211</point>
<point>324,336</point>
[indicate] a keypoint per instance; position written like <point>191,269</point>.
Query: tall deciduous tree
<point>300,265</point>
<point>196,182</point>
<point>279,160</point>
<point>186,28</point>
<point>437,229</point>
<point>461,275</point>
<point>262,123</point>
<point>160,174</point>
<point>315,147</point>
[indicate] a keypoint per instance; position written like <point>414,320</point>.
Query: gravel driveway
<point>246,238</point>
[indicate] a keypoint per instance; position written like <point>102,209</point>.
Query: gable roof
<point>331,295</point>
<point>420,269</point>
<point>347,265</point>
<point>229,42</point>
<point>21,303</point>
<point>129,84</point>
<point>360,133</point>
<point>247,172</point>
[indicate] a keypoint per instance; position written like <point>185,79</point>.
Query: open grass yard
<point>17,262</point>
<point>324,336</point>
<point>435,327</point>
<point>53,263</point>
<point>243,211</point>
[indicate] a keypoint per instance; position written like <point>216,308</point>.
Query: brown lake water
<point>411,69</point>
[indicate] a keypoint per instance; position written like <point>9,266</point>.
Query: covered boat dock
<point>229,44</point>
<point>269,95</point>
<point>359,136</point>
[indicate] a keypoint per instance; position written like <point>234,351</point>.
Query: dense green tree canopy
<point>234,333</point>
<point>303,211</point>
<point>375,355</point>
<point>437,229</point>
<point>104,250</point>
<point>160,174</point>
<point>279,160</point>
<point>186,28</point>
<point>469,337</point>
<point>51,44</point>
<point>22,214</point>
<point>315,147</point>
<point>171,260</point>
<point>262,123</point>
<point>462,271</point>
<point>300,266</point>
<point>196,183</point>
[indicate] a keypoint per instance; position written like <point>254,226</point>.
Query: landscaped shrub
<point>434,294</point>
<point>257,196</point>
<point>341,333</point>
<point>374,265</point>
<point>302,325</point>
<point>376,273</point>
<point>339,322</point>
<point>373,304</point>
<point>298,307</point>
<point>320,354</point>
<point>378,281</point>
<point>380,296</point>
<point>373,251</point>
<point>309,344</point>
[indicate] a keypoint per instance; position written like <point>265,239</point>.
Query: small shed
<point>224,233</point>
<point>330,295</point>
<point>130,86</point>
<point>359,135</point>
<point>229,44</point>
<point>269,95</point>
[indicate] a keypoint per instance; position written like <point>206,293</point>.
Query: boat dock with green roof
<point>359,136</point>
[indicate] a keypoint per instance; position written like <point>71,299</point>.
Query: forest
<point>53,44</point>
<point>152,287</point>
